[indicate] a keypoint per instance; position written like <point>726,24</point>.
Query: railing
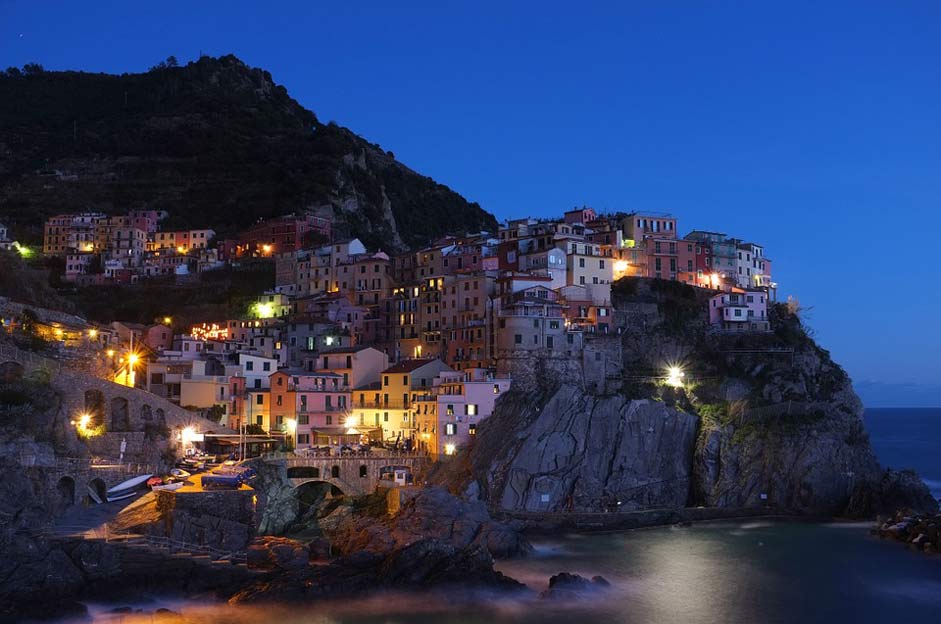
<point>381,405</point>
<point>26,358</point>
<point>378,455</point>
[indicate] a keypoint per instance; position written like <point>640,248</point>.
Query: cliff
<point>762,420</point>
<point>217,144</point>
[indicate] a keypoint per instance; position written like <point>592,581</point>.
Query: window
<point>549,342</point>
<point>259,399</point>
<point>450,429</point>
<point>266,366</point>
<point>518,339</point>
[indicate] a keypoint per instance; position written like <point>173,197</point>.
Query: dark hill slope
<point>215,143</point>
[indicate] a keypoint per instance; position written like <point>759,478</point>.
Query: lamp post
<point>291,426</point>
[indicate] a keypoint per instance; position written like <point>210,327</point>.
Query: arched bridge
<point>354,475</point>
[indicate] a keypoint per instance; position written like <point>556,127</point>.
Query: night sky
<point>813,128</point>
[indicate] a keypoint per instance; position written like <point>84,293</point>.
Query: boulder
<point>566,586</point>
<point>278,553</point>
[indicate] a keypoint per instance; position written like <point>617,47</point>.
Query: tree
<point>33,69</point>
<point>14,72</point>
<point>171,61</point>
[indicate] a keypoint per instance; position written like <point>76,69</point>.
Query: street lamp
<point>675,376</point>
<point>291,425</point>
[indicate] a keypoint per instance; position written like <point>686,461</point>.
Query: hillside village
<point>353,346</point>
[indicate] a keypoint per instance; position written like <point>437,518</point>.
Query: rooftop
<point>408,366</point>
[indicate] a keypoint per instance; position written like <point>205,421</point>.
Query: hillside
<point>215,143</point>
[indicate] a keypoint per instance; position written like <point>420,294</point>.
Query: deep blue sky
<point>814,128</point>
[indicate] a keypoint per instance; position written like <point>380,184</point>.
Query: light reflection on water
<point>733,573</point>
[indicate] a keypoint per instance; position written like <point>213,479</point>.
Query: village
<point>354,348</point>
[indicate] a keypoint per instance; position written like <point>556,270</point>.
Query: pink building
<point>321,405</point>
<point>446,418</point>
<point>158,337</point>
<point>740,311</point>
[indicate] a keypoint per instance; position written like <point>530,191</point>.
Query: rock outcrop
<point>436,540</point>
<point>566,586</point>
<point>572,451</point>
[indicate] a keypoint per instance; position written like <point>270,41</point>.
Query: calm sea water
<point>724,572</point>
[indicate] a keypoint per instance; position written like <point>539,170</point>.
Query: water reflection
<point>734,573</point>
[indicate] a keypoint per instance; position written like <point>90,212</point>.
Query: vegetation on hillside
<point>215,143</point>
<point>210,296</point>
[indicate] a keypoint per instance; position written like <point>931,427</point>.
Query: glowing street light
<point>449,449</point>
<point>266,249</point>
<point>167,320</point>
<point>675,376</point>
<point>92,333</point>
<point>291,425</point>
<point>132,359</point>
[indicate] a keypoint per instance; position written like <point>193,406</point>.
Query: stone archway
<point>11,372</point>
<point>120,415</point>
<point>335,471</point>
<point>146,413</point>
<point>98,487</point>
<point>312,496</point>
<point>65,491</point>
<point>95,407</point>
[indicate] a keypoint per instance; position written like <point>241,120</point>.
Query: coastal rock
<point>278,553</point>
<point>277,497</point>
<point>432,514</point>
<point>572,451</point>
<point>566,586</point>
<point>894,490</point>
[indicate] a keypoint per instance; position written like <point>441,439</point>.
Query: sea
<point>748,572</point>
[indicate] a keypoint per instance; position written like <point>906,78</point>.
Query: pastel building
<point>388,404</point>
<point>182,241</point>
<point>740,311</point>
<point>447,416</point>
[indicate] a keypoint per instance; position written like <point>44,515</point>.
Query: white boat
<point>93,494</point>
<point>180,473</point>
<point>176,485</point>
<point>126,489</point>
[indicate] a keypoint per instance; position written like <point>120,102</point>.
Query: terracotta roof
<point>408,366</point>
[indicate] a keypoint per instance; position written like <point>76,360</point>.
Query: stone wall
<point>222,519</point>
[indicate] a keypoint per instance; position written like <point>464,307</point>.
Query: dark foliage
<point>215,143</point>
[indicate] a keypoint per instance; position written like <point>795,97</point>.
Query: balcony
<point>380,405</point>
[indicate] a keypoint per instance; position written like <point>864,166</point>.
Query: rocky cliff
<point>574,451</point>
<point>217,144</point>
<point>762,420</point>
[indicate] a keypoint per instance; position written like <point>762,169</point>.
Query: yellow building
<point>388,404</point>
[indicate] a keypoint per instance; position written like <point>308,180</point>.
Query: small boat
<point>151,482</point>
<point>93,494</point>
<point>168,487</point>
<point>179,473</point>
<point>127,489</point>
